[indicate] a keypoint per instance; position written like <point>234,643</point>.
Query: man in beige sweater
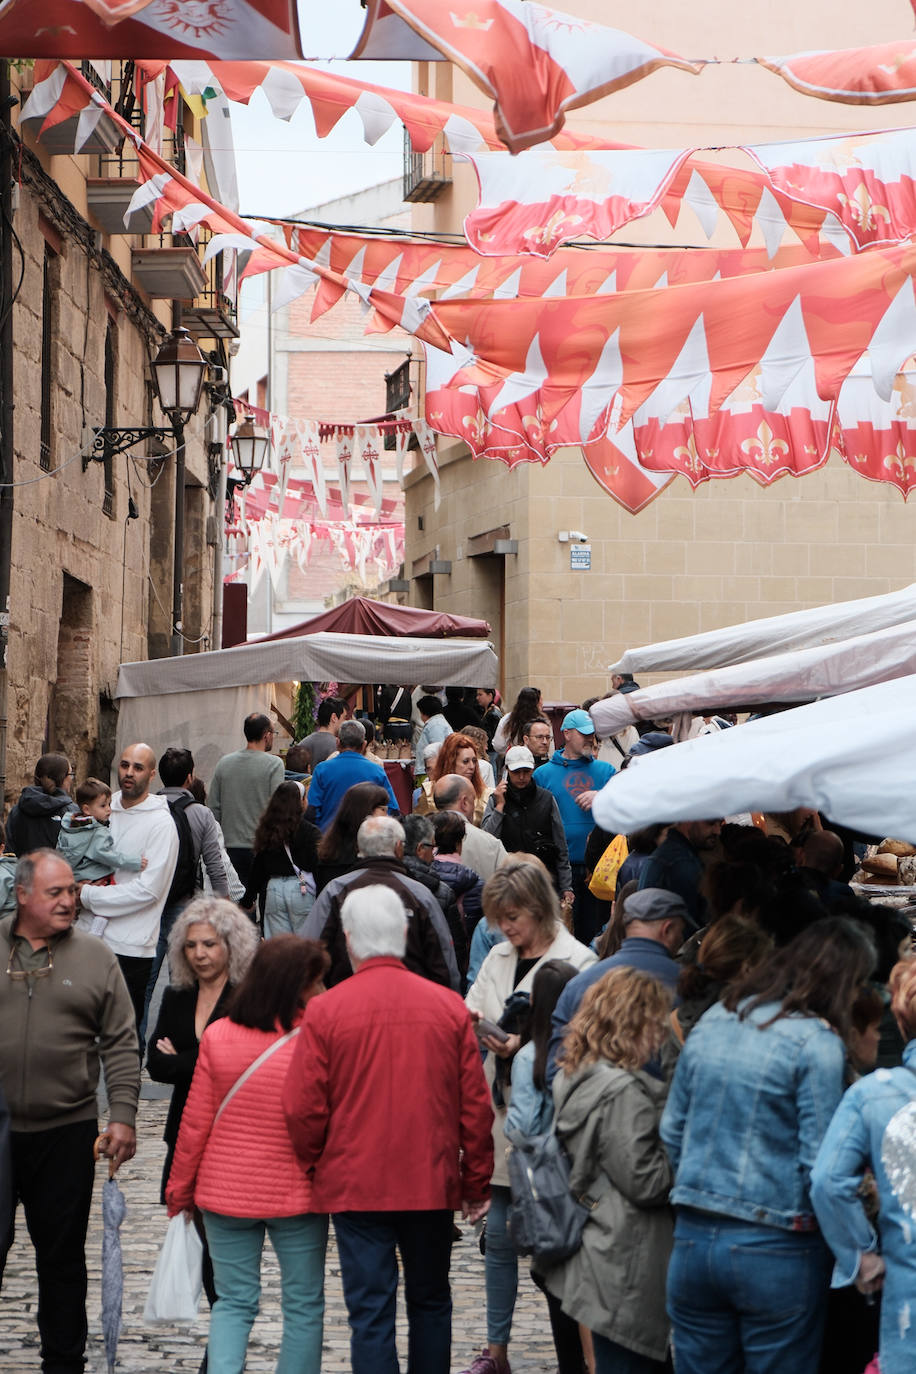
<point>64,1005</point>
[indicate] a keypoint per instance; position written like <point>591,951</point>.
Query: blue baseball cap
<point>578,720</point>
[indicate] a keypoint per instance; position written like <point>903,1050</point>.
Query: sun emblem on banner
<point>202,18</point>
<point>549,20</point>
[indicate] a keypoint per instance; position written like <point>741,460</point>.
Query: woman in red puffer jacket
<point>234,1161</point>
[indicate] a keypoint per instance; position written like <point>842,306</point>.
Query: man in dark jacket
<point>655,923</point>
<point>419,847</point>
<point>677,867</point>
<point>34,822</point>
<point>380,847</point>
<point>526,817</point>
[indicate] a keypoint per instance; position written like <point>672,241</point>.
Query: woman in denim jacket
<point>755,1087</point>
<point>875,1127</point>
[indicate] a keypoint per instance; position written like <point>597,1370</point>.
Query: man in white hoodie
<point>127,914</point>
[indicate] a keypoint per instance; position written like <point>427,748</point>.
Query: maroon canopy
<point>362,616</point>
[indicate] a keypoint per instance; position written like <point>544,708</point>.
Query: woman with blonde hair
<point>608,1109</point>
<point>874,1128</point>
<point>520,899</point>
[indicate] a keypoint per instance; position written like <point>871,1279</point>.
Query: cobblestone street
<point>145,1350</point>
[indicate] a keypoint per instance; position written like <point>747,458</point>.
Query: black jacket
<point>34,822</point>
<point>530,821</point>
<point>445,896</point>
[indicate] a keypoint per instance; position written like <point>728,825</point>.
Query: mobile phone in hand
<point>485,1028</point>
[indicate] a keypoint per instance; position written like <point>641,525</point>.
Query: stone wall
<point>80,579</point>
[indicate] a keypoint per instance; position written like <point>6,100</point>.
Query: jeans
<point>170,913</point>
<point>611,1358</point>
<point>235,1248</point>
<point>285,907</point>
<point>53,1174</point>
<point>745,1299</point>
<point>367,1244</point>
<point>501,1268</point>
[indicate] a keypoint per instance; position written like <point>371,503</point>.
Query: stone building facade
<point>691,560</point>
<point>90,553</point>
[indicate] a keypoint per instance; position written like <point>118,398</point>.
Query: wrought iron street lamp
<point>249,444</point>
<point>179,369</point>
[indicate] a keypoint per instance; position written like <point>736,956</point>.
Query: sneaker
<point>484,1363</point>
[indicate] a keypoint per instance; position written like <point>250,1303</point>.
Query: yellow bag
<point>603,883</point>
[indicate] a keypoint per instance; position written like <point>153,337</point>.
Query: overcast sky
<point>283,167</point>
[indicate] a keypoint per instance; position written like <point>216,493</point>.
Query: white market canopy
<point>852,757</point>
<point>799,675</point>
<point>199,701</point>
<point>773,634</point>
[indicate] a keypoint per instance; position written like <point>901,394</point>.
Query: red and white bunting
<point>173,28</point>
<point>369,447</point>
<point>534,63</point>
<point>285,85</point>
<point>878,437</point>
<point>868,181</point>
<point>879,75</point>
<point>344,466</point>
<point>533,202</point>
<point>427,441</point>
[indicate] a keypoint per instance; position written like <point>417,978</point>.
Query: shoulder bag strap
<point>243,1078</point>
<point>306,880</point>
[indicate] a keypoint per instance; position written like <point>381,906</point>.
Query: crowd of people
<point>369,1010</point>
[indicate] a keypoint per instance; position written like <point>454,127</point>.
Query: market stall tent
<point>199,701</point>
<point>852,757</point>
<point>771,635</point>
<point>797,676</point>
<point>361,615</point>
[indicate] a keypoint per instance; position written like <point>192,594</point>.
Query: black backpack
<point>186,878</point>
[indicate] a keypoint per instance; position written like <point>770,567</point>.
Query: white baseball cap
<point>519,757</point>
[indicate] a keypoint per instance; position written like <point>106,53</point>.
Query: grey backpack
<point>545,1220</point>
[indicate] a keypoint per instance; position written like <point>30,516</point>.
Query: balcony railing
<point>426,175</point>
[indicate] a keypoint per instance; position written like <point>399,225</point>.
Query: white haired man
<point>380,847</point>
<point>391,1171</point>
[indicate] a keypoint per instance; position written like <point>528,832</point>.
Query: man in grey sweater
<point>243,783</point>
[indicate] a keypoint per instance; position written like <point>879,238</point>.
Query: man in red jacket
<point>388,1108</point>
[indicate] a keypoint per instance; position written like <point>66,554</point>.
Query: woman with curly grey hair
<point>211,945</point>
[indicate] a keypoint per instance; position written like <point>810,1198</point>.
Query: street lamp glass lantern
<point>249,447</point>
<point>179,369</point>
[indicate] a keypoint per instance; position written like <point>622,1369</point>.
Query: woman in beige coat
<point>521,900</point>
<point>608,1113</point>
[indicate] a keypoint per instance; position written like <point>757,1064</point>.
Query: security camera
<point>578,537</point>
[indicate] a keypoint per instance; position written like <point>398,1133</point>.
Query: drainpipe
<point>6,400</point>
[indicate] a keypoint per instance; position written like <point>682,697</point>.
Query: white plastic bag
<point>174,1292</point>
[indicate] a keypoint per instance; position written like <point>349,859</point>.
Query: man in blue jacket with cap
<point>573,776</point>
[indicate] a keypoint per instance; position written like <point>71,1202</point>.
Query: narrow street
<point>174,1350</point>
